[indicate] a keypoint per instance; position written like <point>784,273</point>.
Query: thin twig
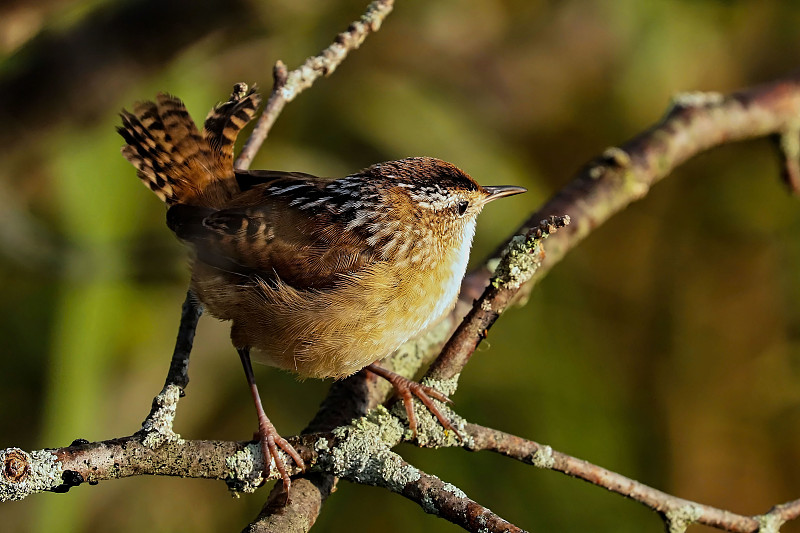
<point>179,365</point>
<point>788,144</point>
<point>672,508</point>
<point>287,85</point>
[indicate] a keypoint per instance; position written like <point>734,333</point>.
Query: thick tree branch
<point>694,123</point>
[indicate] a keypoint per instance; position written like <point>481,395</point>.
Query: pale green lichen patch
<point>521,258</point>
<point>244,477</point>
<point>680,518</point>
<point>43,471</point>
<point>363,454</point>
<point>158,426</point>
<point>543,457</point>
<point>430,432</point>
<point>455,491</point>
<point>321,446</point>
<point>769,523</point>
<point>445,386</point>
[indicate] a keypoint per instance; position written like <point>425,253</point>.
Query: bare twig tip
<point>280,73</point>
<point>788,144</point>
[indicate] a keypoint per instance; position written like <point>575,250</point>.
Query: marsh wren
<point>322,277</point>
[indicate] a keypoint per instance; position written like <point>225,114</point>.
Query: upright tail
<point>175,160</point>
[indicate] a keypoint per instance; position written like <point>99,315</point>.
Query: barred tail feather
<point>172,158</point>
<point>227,119</point>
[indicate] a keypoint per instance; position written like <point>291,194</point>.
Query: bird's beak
<point>499,191</point>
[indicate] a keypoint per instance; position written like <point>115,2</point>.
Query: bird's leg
<point>270,439</point>
<point>406,389</point>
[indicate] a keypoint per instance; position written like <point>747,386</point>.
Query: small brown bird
<point>323,277</point>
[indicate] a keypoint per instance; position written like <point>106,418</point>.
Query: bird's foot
<point>271,441</point>
<point>406,389</point>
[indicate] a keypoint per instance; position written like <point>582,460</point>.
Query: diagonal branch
<point>694,123</point>
<point>518,263</point>
<point>437,497</point>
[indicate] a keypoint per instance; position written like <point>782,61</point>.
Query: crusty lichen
<point>362,452</point>
<point>157,428</point>
<point>244,477</point>
<point>455,491</point>
<point>680,518</point>
<point>43,473</point>
<point>770,523</point>
<point>521,258</point>
<point>543,457</point>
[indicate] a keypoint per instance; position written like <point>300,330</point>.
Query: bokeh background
<point>666,347</point>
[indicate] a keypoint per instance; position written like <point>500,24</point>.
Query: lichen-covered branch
<point>83,462</point>
<point>287,85</point>
<point>518,263</point>
<point>359,452</point>
<point>694,123</point>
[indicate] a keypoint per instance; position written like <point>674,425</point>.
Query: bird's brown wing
<point>247,179</point>
<point>261,234</point>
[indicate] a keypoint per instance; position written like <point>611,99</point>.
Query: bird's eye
<point>462,207</point>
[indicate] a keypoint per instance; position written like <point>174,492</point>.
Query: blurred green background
<point>667,347</point>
